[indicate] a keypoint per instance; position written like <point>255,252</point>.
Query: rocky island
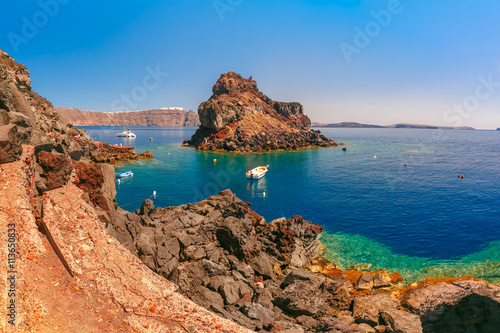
<point>82,264</point>
<point>240,118</point>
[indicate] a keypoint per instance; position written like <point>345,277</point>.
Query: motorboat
<point>257,173</point>
<point>124,174</point>
<point>126,134</point>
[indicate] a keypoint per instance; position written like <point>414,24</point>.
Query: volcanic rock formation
<point>26,118</point>
<point>271,277</point>
<point>240,118</point>
<point>157,117</point>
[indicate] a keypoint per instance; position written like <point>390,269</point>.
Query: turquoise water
<point>421,220</point>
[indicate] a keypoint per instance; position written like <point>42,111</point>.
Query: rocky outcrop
<point>271,277</point>
<point>67,274</point>
<point>456,305</point>
<point>25,116</point>
<point>101,152</point>
<point>240,118</point>
<point>156,117</point>
<point>29,119</point>
<point>53,171</point>
<point>226,258</point>
<point>61,152</point>
<point>264,276</point>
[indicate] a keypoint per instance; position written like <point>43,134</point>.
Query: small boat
<point>126,134</point>
<point>257,173</point>
<point>124,174</point>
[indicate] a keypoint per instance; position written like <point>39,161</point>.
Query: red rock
<point>56,170</point>
<point>240,118</point>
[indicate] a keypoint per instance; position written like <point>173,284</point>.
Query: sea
<point>394,199</point>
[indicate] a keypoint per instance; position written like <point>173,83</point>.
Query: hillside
<point>156,117</point>
<point>400,125</point>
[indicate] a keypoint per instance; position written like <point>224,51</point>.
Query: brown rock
<point>156,117</point>
<point>460,306</point>
<point>56,170</point>
<point>239,118</point>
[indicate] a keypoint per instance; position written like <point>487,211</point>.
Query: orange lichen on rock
<point>433,281</point>
<point>323,266</point>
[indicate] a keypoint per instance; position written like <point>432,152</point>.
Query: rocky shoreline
<point>210,266</point>
<point>271,277</point>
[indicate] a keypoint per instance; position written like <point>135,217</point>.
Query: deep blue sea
<point>421,219</point>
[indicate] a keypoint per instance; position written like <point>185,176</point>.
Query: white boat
<point>257,173</point>
<point>124,174</point>
<point>126,134</point>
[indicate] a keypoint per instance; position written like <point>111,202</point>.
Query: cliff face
<point>25,116</point>
<point>69,274</point>
<point>156,117</point>
<point>238,117</point>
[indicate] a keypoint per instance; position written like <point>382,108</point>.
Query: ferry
<point>257,173</point>
<point>126,134</point>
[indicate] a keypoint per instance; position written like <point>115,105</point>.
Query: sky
<point>376,62</point>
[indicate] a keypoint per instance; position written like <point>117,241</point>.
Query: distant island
<point>401,125</point>
<point>498,129</point>
<point>173,116</point>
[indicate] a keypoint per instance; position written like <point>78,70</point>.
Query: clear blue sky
<point>381,62</point>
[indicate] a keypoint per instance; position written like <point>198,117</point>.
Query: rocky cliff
<point>26,118</point>
<point>157,117</point>
<point>271,277</point>
<point>240,118</point>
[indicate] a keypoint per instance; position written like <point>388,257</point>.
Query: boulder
<point>380,309</point>
<point>54,171</point>
<point>460,306</point>
<point>10,146</point>
<point>365,282</point>
<point>302,298</point>
<point>258,312</point>
<point>232,290</point>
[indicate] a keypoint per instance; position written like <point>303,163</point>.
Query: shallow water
<point>421,220</point>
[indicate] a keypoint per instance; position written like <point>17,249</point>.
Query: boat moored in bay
<point>127,133</point>
<point>257,173</point>
<point>124,174</point>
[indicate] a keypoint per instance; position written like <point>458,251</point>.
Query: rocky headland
<point>271,276</point>
<point>82,264</point>
<point>240,118</point>
<point>26,118</point>
<point>156,117</point>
